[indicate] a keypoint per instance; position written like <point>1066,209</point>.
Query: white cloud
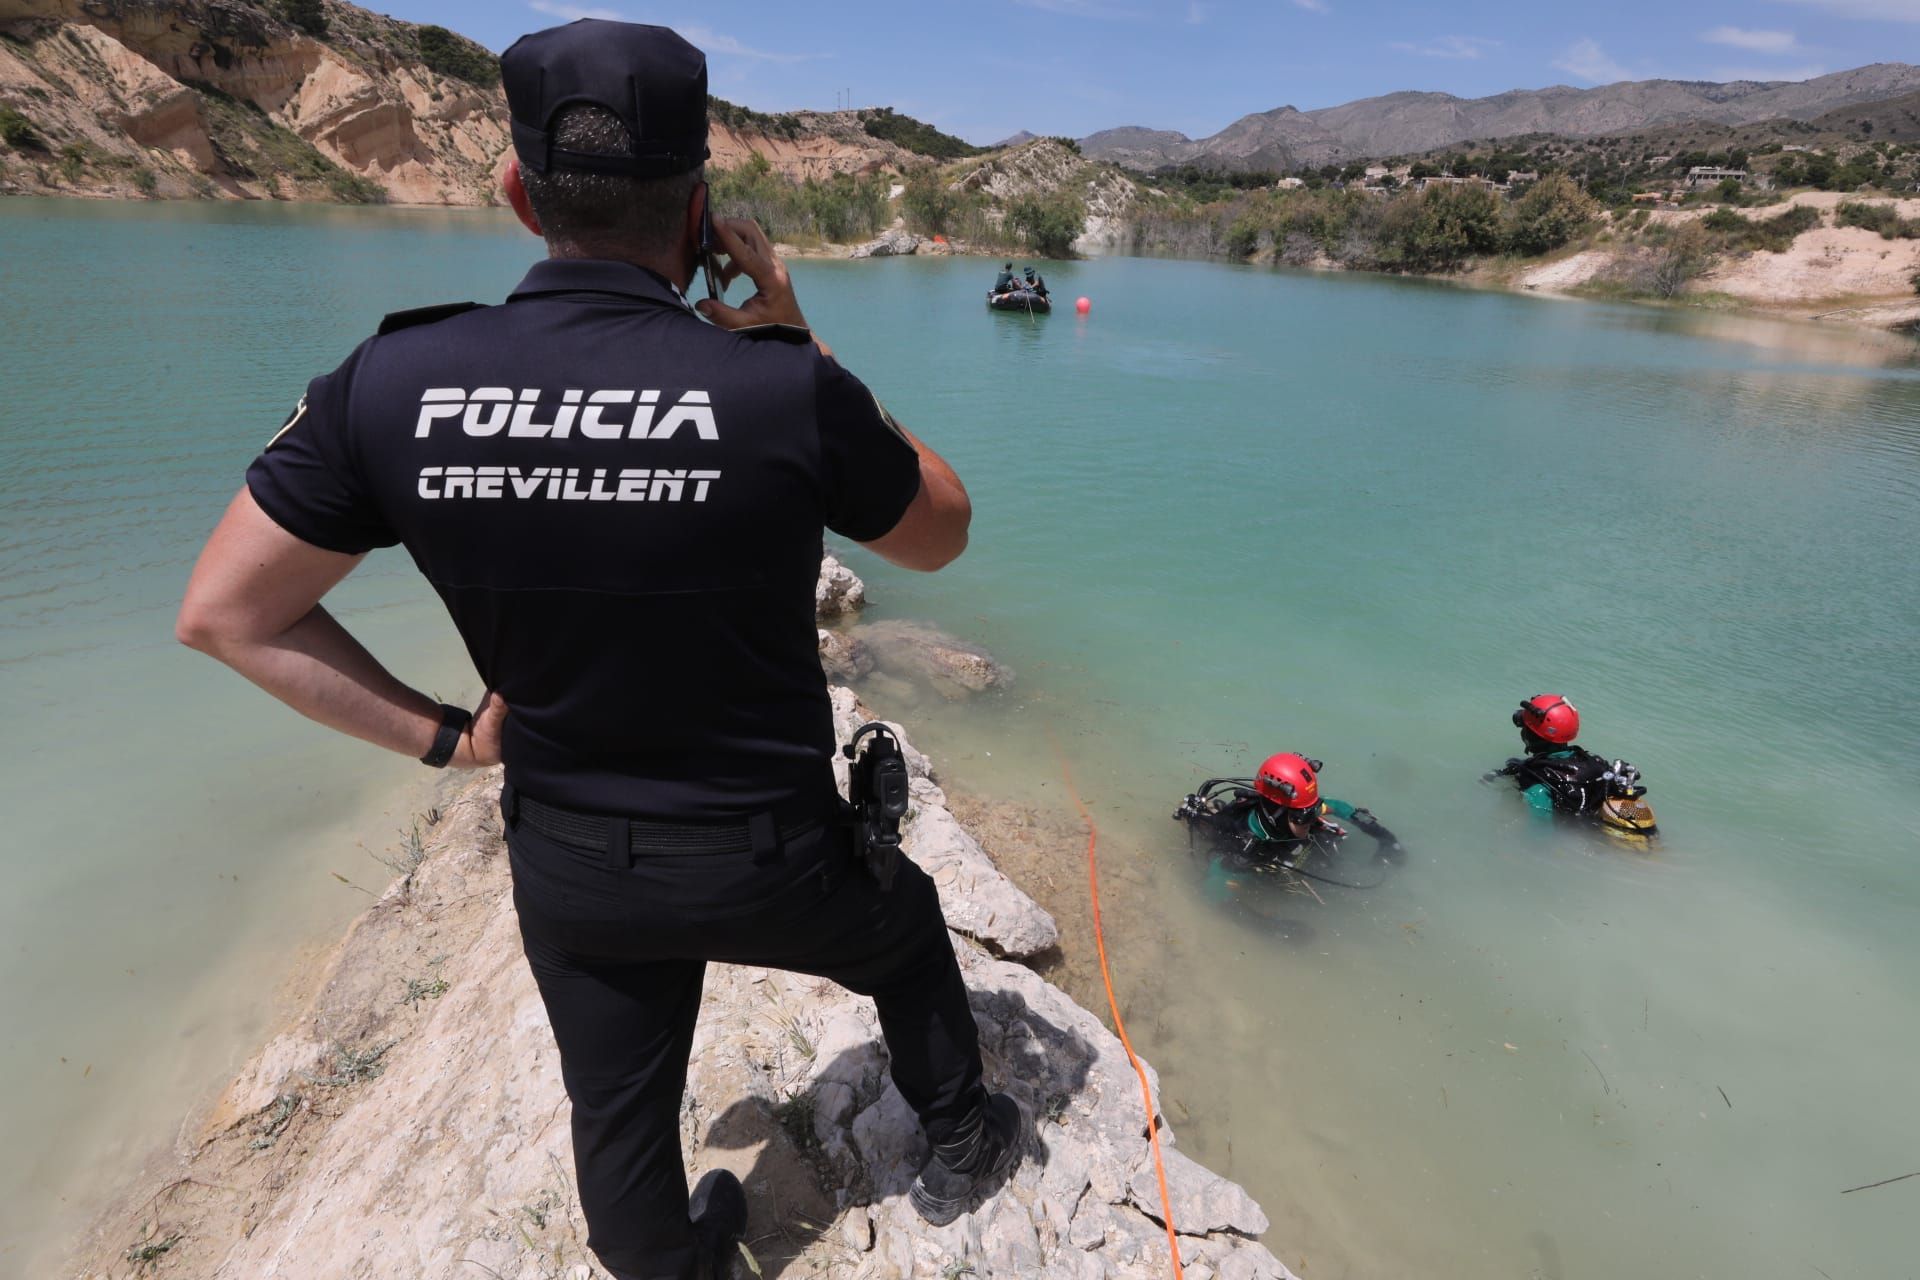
<point>1313,6</point>
<point>1726,75</point>
<point>1588,61</point>
<point>1886,10</point>
<point>573,11</point>
<point>1083,9</point>
<point>710,41</point>
<point>1751,40</point>
<point>1448,47</point>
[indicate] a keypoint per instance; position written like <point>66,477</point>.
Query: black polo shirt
<point>621,506</point>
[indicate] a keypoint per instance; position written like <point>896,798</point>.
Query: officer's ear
<point>694,234</point>
<point>516,192</point>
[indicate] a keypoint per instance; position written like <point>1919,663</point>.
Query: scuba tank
<point>1624,813</point>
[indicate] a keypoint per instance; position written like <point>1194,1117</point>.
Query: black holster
<point>877,796</point>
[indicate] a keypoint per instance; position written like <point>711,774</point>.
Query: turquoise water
<point>1231,512</point>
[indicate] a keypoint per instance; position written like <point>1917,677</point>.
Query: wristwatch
<point>453,722</point>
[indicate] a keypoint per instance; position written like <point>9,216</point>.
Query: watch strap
<point>453,722</point>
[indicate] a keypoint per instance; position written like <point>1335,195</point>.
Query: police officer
<point>621,505</point>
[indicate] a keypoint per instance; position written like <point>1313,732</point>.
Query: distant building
<point>1375,172</point>
<point>1649,197</point>
<point>1796,147</point>
<point>1523,175</point>
<point>1447,180</point>
<point>1289,184</point>
<point>1706,175</point>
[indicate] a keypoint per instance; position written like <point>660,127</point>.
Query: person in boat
<point>1006,281</point>
<point>1036,283</point>
<point>1560,778</point>
<point>1277,822</point>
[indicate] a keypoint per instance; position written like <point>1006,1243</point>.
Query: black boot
<point>961,1173</point>
<point>718,1209</point>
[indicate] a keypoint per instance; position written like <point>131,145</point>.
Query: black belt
<point>761,834</point>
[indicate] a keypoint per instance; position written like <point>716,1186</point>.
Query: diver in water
<point>1036,283</point>
<point>1557,777</point>
<point>1006,281</point>
<point>1278,824</point>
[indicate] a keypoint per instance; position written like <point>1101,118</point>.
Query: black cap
<point>648,76</point>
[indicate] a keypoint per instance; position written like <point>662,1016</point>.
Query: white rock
<point>977,897</point>
<point>1203,1202</point>
<point>842,656</point>
<point>951,667</point>
<point>857,1229</point>
<point>894,243</point>
<point>838,591</point>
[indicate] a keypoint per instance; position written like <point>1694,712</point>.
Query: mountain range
<point>1410,123</point>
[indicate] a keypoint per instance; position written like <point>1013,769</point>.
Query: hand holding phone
<point>716,280</point>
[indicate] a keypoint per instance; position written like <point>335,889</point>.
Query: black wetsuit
<point>1246,840</point>
<point>1570,780</point>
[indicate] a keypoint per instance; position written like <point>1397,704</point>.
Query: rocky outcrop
<point>220,97</point>
<point>895,242</point>
<point>838,592</point>
<point>1045,167</point>
<point>844,657</point>
<point>412,1122</point>
<point>808,144</point>
<point>930,657</point>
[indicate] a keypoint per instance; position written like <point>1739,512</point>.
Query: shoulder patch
<point>892,423</point>
<point>424,315</point>
<point>794,333</point>
<point>299,412</point>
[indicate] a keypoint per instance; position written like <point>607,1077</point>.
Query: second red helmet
<point>1549,716</point>
<point>1290,780</point>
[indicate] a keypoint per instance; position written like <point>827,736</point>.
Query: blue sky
<point>986,69</point>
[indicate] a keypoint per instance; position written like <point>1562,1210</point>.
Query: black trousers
<point>619,943</point>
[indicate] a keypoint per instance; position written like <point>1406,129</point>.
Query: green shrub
<point>1049,224</point>
<point>145,182</point>
<point>1884,218</point>
<point>308,15</point>
<point>1684,254</point>
<point>1440,228</point>
<point>1775,234</point>
<point>73,161</point>
<point>18,132</point>
<point>354,188</point>
<point>932,207</point>
<point>1553,211</point>
<point>915,135</point>
<point>737,118</point>
<point>841,208</point>
<point>456,56</point>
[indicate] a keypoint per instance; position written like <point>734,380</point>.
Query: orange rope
<point>1113,1003</point>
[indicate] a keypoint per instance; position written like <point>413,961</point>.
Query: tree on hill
<point>1440,228</point>
<point>1049,224</point>
<point>916,136</point>
<point>458,57</point>
<point>308,15</point>
<point>1553,211</point>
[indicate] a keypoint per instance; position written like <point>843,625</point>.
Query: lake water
<point>1233,511</point>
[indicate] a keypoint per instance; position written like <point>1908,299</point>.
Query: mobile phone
<point>708,263</point>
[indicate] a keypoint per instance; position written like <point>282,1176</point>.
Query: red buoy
<point>1083,306</point>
